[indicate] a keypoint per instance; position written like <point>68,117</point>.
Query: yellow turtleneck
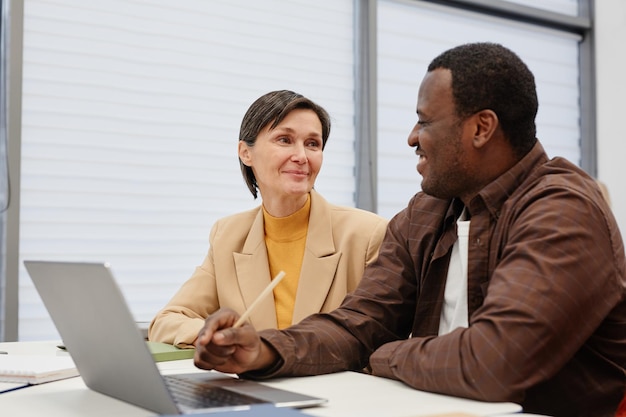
<point>285,238</point>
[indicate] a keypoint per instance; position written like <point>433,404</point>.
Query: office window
<point>131,112</point>
<point>568,7</point>
<point>411,34</point>
<point>4,167</point>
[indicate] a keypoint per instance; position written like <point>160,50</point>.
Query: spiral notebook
<point>35,369</point>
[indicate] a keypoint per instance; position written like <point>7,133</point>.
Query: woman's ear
<point>486,124</point>
<point>244,153</point>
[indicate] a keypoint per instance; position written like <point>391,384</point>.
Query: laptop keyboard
<point>198,394</point>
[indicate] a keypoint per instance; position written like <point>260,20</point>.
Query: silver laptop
<point>100,333</point>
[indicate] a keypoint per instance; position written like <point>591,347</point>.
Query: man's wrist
<point>267,358</point>
<point>269,361</point>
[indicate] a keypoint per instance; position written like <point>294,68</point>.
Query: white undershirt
<point>454,310</point>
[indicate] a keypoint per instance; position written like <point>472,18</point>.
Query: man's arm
<point>557,279</point>
<point>381,309</point>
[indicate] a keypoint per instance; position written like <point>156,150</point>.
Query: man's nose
<point>413,139</point>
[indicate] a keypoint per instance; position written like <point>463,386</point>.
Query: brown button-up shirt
<point>546,299</point>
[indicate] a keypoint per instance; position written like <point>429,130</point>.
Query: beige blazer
<point>341,241</point>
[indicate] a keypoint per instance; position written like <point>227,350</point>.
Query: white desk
<point>349,394</point>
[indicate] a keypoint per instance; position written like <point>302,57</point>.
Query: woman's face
<point>286,160</point>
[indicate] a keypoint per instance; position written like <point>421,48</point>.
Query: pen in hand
<point>261,296</point>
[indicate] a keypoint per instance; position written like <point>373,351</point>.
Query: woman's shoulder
<point>243,218</point>
<point>354,225</point>
<point>361,214</point>
<point>362,219</point>
<point>347,212</point>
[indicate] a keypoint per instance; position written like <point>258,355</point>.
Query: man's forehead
<point>436,87</point>
<point>440,79</point>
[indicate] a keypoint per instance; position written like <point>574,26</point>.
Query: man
<point>526,303</point>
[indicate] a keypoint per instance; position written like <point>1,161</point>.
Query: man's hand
<point>221,347</point>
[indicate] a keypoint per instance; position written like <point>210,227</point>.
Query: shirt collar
<point>493,196</point>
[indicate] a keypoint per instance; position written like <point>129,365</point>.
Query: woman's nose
<point>299,153</point>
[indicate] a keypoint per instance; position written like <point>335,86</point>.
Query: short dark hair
<point>490,76</point>
<point>272,108</point>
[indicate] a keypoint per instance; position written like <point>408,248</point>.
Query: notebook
<point>165,352</point>
<point>100,333</point>
<point>162,352</point>
<point>35,369</point>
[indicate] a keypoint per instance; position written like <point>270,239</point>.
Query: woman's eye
<point>314,144</point>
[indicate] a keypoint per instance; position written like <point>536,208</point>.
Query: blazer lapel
<point>252,269</point>
<point>320,261</point>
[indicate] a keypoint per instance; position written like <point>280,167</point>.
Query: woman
<point>323,248</point>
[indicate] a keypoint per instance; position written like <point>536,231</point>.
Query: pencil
<point>261,296</point>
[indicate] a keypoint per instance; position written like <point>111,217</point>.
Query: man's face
<point>443,145</point>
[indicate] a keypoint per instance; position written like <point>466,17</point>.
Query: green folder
<point>165,352</point>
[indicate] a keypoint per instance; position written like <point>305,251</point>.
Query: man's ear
<point>244,152</point>
<point>485,124</point>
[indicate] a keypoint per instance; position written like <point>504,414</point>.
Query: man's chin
<point>425,188</point>
<point>434,192</point>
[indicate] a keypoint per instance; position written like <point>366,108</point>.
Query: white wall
<point>611,94</point>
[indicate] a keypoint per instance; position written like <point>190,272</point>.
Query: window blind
<point>568,7</point>
<point>131,112</point>
<point>411,34</point>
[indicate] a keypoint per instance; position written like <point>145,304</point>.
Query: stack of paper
<point>35,369</point>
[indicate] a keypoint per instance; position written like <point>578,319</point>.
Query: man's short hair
<point>490,76</point>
